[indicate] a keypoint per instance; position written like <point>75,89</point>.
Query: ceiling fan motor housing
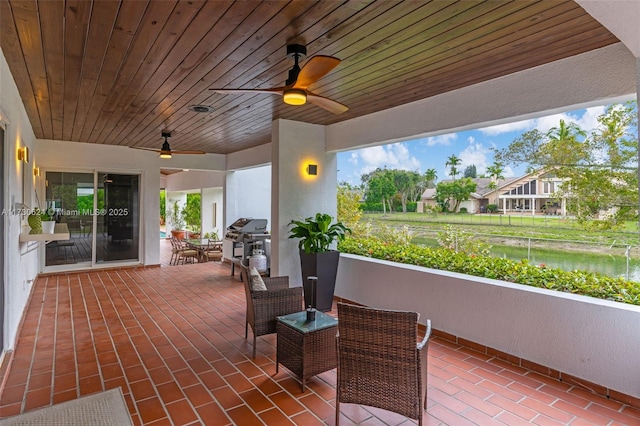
<point>296,51</point>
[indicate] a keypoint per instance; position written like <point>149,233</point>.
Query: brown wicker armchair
<point>263,306</point>
<point>379,362</point>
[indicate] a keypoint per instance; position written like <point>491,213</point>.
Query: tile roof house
<point>534,193</point>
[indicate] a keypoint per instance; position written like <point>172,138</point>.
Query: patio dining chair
<point>380,363</point>
<point>267,298</point>
<point>213,251</point>
<point>181,252</point>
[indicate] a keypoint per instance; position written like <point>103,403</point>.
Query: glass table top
<point>298,321</point>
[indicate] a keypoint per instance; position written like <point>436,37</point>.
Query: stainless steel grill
<point>240,238</point>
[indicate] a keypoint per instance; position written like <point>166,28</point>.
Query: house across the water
<point>533,193</point>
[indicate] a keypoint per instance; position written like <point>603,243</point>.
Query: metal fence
<point>524,220</point>
<point>608,258</point>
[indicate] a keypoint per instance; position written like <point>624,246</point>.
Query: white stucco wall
<point>212,197</point>
<point>75,156</point>
<point>296,195</point>
<point>248,194</point>
<point>593,339</point>
<point>194,179</point>
<point>619,17</point>
<point>20,259</point>
<point>189,161</point>
<point>252,157</point>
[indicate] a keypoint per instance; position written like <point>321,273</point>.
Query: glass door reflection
<point>117,217</point>
<point>70,196</point>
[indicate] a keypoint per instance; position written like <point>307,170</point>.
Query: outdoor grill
<point>242,235</point>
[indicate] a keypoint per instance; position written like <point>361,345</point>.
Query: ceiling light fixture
<point>295,97</point>
<point>165,151</point>
<point>201,108</point>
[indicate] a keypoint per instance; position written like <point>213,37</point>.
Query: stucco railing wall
<point>592,339</point>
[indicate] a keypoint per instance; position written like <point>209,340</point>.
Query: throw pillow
<point>257,283</point>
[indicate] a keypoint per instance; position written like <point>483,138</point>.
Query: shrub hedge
<point>578,282</point>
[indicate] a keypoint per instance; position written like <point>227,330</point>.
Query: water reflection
<point>610,265</point>
<point>613,265</point>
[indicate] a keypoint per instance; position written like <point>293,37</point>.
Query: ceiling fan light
<point>165,151</point>
<point>295,97</point>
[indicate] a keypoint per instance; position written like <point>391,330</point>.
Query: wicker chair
<point>213,251</point>
<point>379,362</point>
<point>263,306</point>
<point>181,253</point>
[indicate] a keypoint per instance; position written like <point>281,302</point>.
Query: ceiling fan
<point>165,151</point>
<point>295,92</point>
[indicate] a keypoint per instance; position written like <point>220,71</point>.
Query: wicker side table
<point>306,348</point>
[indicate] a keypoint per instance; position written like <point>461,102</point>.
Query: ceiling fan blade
<point>173,151</point>
<point>326,103</point>
<point>315,68</point>
<point>144,148</point>
<point>273,91</point>
<point>182,151</point>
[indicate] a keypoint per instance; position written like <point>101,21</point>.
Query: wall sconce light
<point>312,169</point>
<point>23,154</point>
<point>36,171</point>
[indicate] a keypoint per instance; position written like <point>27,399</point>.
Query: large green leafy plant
<point>317,233</point>
<point>191,212</point>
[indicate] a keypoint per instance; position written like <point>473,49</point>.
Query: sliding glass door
<point>102,212</point>
<point>118,217</point>
<point>70,197</point>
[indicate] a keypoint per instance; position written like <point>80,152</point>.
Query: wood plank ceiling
<point>121,71</point>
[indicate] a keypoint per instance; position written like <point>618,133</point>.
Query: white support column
<point>295,193</point>
<point>533,206</point>
<point>638,121</point>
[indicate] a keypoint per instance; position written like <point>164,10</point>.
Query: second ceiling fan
<point>295,91</point>
<point>165,151</point>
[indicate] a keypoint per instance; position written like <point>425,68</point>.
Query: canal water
<point>613,265</point>
<point>610,265</point>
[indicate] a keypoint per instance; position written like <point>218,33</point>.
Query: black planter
<point>325,267</point>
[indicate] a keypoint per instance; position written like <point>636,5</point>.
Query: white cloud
<point>587,121</point>
<point>518,126</point>
<point>353,158</point>
<point>393,156</point>
<point>508,172</point>
<point>441,139</point>
<point>475,154</point>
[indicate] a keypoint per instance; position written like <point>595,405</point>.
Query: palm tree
<point>563,146</point>
<point>430,177</point>
<point>495,172</point>
<point>452,162</point>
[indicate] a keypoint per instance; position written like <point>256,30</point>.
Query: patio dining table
<point>201,245</point>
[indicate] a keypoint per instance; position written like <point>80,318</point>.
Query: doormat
<point>100,409</point>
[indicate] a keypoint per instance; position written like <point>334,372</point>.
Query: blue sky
<point>471,146</point>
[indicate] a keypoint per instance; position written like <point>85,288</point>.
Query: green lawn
<point>547,227</point>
